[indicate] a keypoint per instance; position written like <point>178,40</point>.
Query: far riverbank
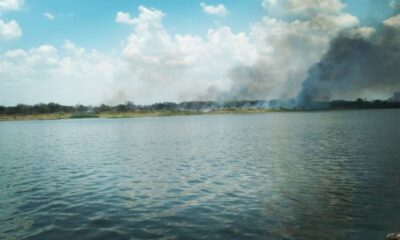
<point>59,116</point>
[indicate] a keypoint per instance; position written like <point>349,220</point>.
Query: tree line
<point>290,104</point>
<point>43,108</point>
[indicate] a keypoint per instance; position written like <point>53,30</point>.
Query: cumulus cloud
<point>160,66</point>
<point>49,16</point>
<point>9,5</point>
<point>151,15</point>
<point>218,10</point>
<point>44,74</point>
<point>125,18</point>
<point>360,32</point>
<point>302,7</point>
<point>393,21</point>
<point>9,30</point>
<point>270,61</point>
<point>73,49</point>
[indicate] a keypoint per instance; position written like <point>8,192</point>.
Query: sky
<point>98,51</point>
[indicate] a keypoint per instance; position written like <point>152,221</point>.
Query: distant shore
<point>109,115</point>
<point>54,111</point>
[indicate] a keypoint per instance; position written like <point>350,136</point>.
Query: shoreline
<point>111,115</point>
<point>115,115</point>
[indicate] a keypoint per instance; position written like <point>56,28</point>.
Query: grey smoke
<point>264,80</point>
<point>355,66</point>
<point>250,82</point>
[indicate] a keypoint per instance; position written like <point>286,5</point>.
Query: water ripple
<point>331,175</point>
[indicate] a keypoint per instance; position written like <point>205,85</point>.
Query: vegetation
<point>363,104</point>
<point>129,109</point>
<point>84,115</point>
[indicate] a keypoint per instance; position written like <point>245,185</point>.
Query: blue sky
<point>91,23</point>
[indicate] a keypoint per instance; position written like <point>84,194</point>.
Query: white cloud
<point>49,16</point>
<point>162,67</point>
<point>218,10</point>
<point>125,18</point>
<point>46,74</point>
<point>269,61</point>
<point>302,7</point>
<point>9,30</point>
<point>73,49</point>
<point>149,16</point>
<point>360,32</point>
<point>182,67</point>
<point>8,5</point>
<point>393,21</point>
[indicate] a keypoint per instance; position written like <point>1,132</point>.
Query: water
<point>322,175</point>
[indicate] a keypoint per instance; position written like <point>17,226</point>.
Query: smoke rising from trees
<point>356,66</point>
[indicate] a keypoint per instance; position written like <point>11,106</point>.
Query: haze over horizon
<point>97,52</point>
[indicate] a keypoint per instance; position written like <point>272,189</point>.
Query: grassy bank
<point>57,116</point>
<point>22,117</point>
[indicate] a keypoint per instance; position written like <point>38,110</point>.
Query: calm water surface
<point>322,175</point>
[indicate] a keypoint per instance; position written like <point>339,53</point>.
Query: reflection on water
<point>328,175</point>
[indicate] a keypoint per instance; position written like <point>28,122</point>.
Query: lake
<point>297,175</point>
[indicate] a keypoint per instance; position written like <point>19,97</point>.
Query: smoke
<point>116,98</point>
<point>287,47</point>
<point>287,54</point>
<point>251,82</point>
<point>357,65</point>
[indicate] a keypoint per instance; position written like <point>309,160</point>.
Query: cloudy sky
<point>103,51</point>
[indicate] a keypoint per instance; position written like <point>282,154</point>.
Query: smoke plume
<point>356,66</point>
